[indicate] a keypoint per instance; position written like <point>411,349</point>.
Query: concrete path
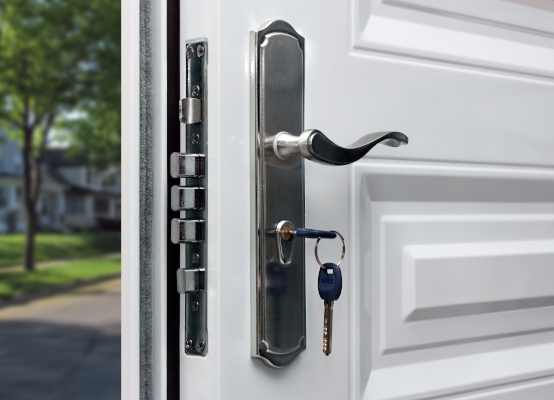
<point>63,347</point>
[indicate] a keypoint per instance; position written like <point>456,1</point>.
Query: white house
<point>73,196</point>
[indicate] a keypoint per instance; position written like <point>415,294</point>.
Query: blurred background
<point>60,200</point>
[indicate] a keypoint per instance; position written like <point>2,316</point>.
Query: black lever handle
<point>315,146</point>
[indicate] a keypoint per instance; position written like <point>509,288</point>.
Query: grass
<point>17,283</point>
<point>58,246</point>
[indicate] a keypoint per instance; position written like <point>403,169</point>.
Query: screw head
<point>200,51</point>
<point>195,258</point>
<point>201,345</point>
<point>190,52</point>
<point>195,306</point>
<point>195,138</point>
<point>188,344</point>
<point>195,91</point>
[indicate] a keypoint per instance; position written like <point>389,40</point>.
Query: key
<point>329,285</point>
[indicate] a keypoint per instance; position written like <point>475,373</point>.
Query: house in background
<point>73,196</point>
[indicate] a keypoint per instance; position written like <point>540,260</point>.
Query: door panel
<point>494,34</point>
<point>455,275</point>
<point>450,240</point>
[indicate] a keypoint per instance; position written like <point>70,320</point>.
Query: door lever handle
<point>315,146</point>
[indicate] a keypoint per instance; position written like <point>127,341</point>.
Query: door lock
<point>285,233</point>
<point>278,138</point>
<point>189,200</point>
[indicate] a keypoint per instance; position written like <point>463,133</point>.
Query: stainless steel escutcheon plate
<point>277,96</point>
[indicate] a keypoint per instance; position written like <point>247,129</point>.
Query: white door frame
<point>144,198</point>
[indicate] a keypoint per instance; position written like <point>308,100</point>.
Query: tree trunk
<point>29,255</point>
<point>32,178</point>
<point>31,186</point>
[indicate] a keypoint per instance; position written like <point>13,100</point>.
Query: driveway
<point>63,347</point>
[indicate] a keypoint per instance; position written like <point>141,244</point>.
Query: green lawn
<point>16,283</point>
<point>58,246</point>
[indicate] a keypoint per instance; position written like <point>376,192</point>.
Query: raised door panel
<point>453,241</point>
<point>454,288</point>
<point>514,35</point>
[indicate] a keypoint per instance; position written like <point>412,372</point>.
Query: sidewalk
<point>63,347</point>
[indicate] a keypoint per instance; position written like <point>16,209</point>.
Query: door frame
<point>149,299</point>
<point>130,184</point>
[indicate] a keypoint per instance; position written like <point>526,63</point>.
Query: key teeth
<point>327,327</point>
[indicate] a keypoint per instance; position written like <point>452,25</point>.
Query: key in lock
<point>285,234</point>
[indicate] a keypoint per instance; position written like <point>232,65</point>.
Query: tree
<point>58,58</point>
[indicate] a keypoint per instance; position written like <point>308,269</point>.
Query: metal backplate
<point>195,251</point>
<point>277,96</point>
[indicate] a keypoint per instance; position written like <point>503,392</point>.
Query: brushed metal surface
<point>191,280</point>
<point>279,312</point>
<point>188,230</point>
<point>183,165</point>
<point>187,198</point>
<point>190,110</point>
<point>193,166</point>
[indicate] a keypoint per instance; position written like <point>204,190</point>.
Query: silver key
<point>328,327</point>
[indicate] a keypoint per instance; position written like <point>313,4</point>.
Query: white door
<point>449,273</point>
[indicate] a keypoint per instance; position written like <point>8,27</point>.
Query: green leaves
<point>58,56</point>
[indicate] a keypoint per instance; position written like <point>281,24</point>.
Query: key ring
<point>341,257</point>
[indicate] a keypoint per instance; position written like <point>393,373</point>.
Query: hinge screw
<point>188,344</point>
<point>190,52</point>
<point>195,258</point>
<point>200,51</point>
<point>195,91</point>
<point>195,306</point>
<point>195,138</point>
<point>201,345</point>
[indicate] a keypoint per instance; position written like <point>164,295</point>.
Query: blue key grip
<point>329,285</point>
<point>315,234</point>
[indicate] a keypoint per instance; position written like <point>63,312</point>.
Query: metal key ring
<point>341,257</point>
